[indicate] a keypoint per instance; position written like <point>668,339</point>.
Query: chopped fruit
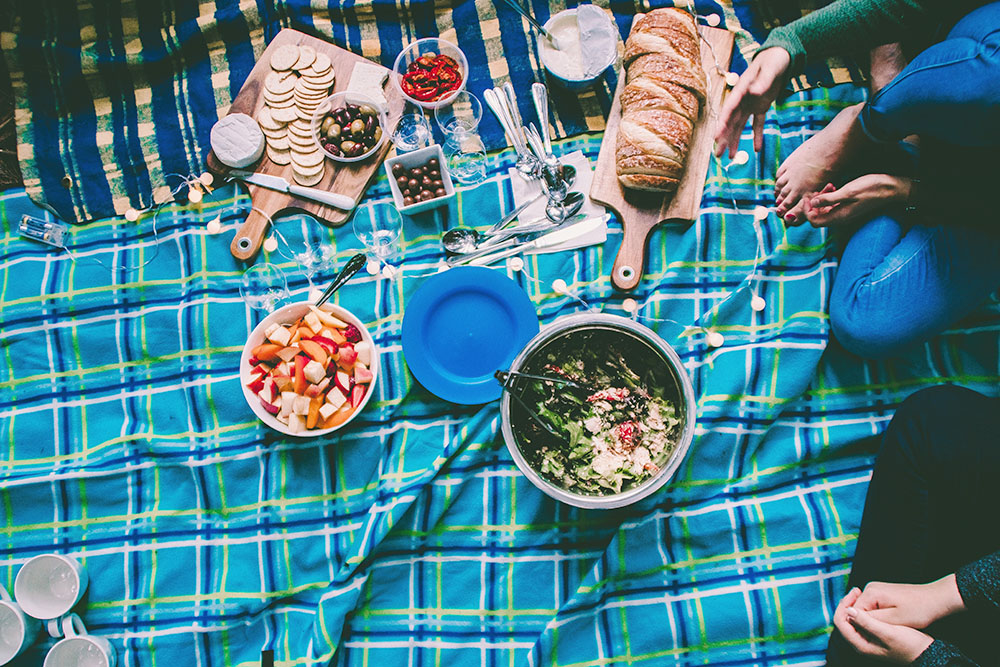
<point>267,351</point>
<point>361,374</point>
<point>300,406</point>
<point>269,406</point>
<point>287,400</point>
<point>280,335</point>
<point>257,385</point>
<point>300,377</point>
<point>344,382</point>
<point>364,351</point>
<point>326,410</point>
<point>313,322</point>
<point>313,415</point>
<point>314,350</point>
<point>328,319</point>
<point>352,334</point>
<point>341,415</point>
<point>336,397</point>
<point>314,372</point>
<point>357,395</point>
<point>348,355</point>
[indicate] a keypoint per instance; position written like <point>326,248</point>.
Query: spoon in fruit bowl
<point>462,240</point>
<point>353,265</point>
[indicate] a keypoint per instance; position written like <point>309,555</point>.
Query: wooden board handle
<point>627,271</point>
<point>250,235</point>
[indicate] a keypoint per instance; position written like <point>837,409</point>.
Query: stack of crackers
<point>301,79</point>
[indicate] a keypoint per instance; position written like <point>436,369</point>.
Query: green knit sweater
<point>848,26</point>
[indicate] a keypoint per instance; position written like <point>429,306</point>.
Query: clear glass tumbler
<point>462,115</point>
<point>264,287</point>
<point>412,132</point>
<point>378,227</point>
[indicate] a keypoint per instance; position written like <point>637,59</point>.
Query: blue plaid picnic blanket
<point>113,100</point>
<point>411,538</point>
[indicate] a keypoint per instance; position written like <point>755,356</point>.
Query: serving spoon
<point>462,240</point>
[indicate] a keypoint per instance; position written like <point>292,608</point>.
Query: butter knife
<point>281,185</point>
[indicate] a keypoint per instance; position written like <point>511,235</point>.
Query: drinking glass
<point>463,114</point>
<point>264,286</point>
<point>412,132</point>
<point>378,227</point>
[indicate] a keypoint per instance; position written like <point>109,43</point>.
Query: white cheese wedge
<point>368,79</point>
<point>237,140</point>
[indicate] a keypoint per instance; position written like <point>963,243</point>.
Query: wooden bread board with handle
<point>641,211</point>
<point>346,178</point>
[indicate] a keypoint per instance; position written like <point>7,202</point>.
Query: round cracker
<point>273,99</point>
<point>316,84</point>
<point>278,157</point>
<point>280,83</point>
<point>266,121</point>
<point>307,159</point>
<point>278,144</point>
<point>305,144</point>
<point>308,171</point>
<point>284,57</point>
<point>290,102</point>
<point>308,181</point>
<point>322,63</point>
<point>284,114</point>
<point>307,55</point>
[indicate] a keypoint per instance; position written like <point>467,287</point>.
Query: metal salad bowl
<point>661,364</point>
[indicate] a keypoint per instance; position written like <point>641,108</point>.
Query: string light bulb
<point>732,78</point>
<point>515,264</point>
<point>715,339</point>
<point>131,215</point>
<point>214,226</point>
<point>270,244</point>
<point>741,157</point>
<point>713,20</point>
<point>757,303</point>
<point>559,286</point>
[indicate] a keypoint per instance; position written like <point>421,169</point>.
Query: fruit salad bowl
<point>308,371</point>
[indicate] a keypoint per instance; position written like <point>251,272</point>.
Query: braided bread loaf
<point>664,90</point>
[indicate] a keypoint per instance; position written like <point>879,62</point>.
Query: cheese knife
<point>281,185</point>
<point>556,238</point>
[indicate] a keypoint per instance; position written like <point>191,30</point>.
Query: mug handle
<point>70,625</point>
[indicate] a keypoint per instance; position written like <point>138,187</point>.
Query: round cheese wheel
<point>237,140</point>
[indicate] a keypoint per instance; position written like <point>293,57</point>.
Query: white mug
<point>78,649</point>
<point>49,585</point>
<point>17,629</point>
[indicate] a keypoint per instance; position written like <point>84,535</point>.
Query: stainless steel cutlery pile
<point>536,163</point>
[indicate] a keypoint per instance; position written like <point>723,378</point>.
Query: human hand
<point>858,200</point>
<point>913,605</point>
<point>872,637</point>
<point>752,95</point>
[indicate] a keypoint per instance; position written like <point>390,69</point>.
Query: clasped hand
<point>885,620</point>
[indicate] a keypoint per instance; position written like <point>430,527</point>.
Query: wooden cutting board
<point>349,179</point>
<point>641,211</point>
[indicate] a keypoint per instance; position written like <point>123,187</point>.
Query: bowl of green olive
<point>349,127</point>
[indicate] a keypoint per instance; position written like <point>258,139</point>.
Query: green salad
<point>609,435</point>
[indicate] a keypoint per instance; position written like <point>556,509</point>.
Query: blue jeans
<point>931,509</point>
<point>897,284</point>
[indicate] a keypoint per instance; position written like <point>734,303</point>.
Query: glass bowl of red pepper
<point>430,72</point>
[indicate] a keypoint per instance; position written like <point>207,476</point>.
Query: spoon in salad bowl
<point>353,265</point>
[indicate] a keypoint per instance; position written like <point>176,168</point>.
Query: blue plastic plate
<point>460,327</point>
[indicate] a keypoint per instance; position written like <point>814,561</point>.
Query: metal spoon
<point>462,240</point>
<point>557,211</point>
<point>535,24</point>
<point>353,265</point>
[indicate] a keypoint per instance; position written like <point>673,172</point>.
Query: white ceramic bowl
<point>419,48</point>
<point>338,100</point>
<point>413,159</point>
<point>569,82</point>
<point>287,315</point>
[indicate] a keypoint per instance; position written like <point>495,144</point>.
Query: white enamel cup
<point>77,648</point>
<point>17,629</point>
<point>49,585</point>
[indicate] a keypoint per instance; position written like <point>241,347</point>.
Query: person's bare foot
<point>813,164</point>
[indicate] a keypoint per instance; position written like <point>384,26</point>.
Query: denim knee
<point>866,332</point>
